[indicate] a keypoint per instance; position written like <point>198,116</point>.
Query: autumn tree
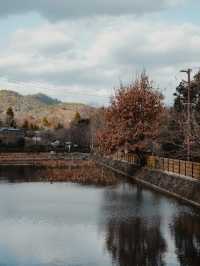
<point>133,117</point>
<point>45,122</point>
<point>77,118</point>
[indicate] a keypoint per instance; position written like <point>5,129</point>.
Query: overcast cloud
<point>62,9</point>
<point>83,58</point>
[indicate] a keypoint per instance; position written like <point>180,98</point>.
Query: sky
<point>81,50</point>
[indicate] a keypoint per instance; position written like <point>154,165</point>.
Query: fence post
<point>199,172</point>
<point>192,169</point>
<point>185,169</point>
<point>179,168</point>
<point>168,163</point>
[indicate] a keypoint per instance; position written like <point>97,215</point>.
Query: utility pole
<point>188,72</point>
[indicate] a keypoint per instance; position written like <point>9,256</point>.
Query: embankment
<point>183,188</point>
<point>45,167</point>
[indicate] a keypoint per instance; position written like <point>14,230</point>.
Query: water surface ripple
<point>64,224</point>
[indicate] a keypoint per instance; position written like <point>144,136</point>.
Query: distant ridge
<point>35,108</point>
<point>45,99</point>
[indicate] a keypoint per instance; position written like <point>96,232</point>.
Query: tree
<point>171,137</point>
<point>25,125</point>
<point>133,117</point>
<point>33,126</point>
<point>181,95</point>
<point>77,118</point>
<point>80,133</point>
<point>180,109</point>
<point>59,126</point>
<point>10,121</point>
<point>46,123</point>
<point>97,123</point>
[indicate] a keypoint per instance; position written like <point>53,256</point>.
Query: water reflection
<point>186,231</point>
<point>134,242</point>
<point>133,228</point>
<point>83,173</point>
<point>63,224</point>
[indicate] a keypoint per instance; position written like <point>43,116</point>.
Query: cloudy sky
<point>80,50</point>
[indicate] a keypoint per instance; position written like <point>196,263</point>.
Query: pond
<point>65,224</point>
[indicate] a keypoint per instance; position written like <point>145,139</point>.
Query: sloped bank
<point>183,188</point>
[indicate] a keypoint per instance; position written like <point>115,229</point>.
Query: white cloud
<point>91,55</point>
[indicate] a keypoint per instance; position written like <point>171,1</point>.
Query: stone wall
<point>183,188</point>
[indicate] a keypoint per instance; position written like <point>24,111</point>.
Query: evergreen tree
<point>25,124</point>
<point>181,95</point>
<point>10,118</point>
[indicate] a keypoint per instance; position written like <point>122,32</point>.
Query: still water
<point>64,224</point>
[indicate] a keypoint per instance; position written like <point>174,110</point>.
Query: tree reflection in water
<point>132,239</point>
<point>134,242</point>
<point>186,232</point>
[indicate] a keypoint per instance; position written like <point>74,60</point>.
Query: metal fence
<point>129,157</point>
<point>180,167</point>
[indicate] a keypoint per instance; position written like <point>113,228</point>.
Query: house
<point>12,136</point>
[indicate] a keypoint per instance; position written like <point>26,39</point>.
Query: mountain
<point>36,108</point>
<point>44,99</point>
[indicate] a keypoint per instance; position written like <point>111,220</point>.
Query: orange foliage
<point>133,117</point>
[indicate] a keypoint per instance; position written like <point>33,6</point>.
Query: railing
<point>129,157</point>
<point>180,167</point>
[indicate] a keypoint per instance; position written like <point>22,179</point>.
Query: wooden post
<point>192,169</point>
<point>185,169</point>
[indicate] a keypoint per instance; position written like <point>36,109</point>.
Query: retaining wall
<point>184,188</point>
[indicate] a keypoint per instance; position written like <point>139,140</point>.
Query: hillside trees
<point>132,120</point>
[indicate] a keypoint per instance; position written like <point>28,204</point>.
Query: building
<point>12,136</point>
